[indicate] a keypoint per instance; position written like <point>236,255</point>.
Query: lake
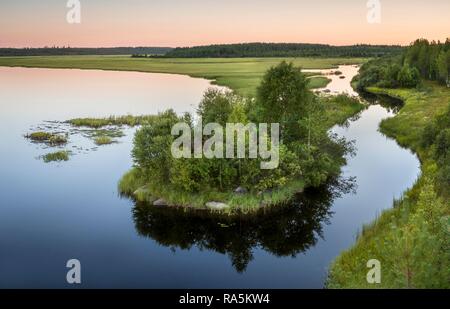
<point>51,213</point>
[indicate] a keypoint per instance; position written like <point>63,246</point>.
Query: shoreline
<point>343,272</point>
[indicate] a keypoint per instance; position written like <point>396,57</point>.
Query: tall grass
<point>97,123</point>
<point>103,140</point>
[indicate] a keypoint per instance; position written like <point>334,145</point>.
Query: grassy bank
<point>242,75</point>
<point>421,107</point>
<point>134,185</point>
<point>411,240</point>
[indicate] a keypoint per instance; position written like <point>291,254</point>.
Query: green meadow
<point>242,75</point>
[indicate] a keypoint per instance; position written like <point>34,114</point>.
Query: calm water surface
<point>50,213</point>
<point>339,83</point>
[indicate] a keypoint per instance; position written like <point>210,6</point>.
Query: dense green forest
<point>282,50</point>
<point>69,51</point>
<point>217,51</point>
<point>423,59</point>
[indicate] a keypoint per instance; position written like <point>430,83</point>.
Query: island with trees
<point>308,154</point>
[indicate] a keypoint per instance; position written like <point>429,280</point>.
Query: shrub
<point>152,143</point>
<point>283,97</point>
<point>216,106</point>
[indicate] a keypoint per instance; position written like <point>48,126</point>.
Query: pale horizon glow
<point>175,23</point>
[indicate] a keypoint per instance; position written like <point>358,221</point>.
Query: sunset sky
<point>37,23</point>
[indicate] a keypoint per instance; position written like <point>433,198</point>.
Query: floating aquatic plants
<point>47,137</point>
<point>57,156</point>
<point>39,136</point>
<point>103,140</point>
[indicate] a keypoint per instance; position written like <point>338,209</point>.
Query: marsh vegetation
<point>103,140</point>
<point>57,156</point>
<point>52,139</point>
<point>97,123</point>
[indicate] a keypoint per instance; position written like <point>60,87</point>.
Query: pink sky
<point>37,23</point>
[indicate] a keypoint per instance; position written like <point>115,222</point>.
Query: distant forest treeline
<point>282,50</point>
<point>69,51</point>
<point>218,51</point>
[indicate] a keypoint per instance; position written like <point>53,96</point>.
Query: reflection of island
<point>283,231</point>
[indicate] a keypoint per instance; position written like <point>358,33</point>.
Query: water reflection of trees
<point>389,103</point>
<point>283,231</point>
